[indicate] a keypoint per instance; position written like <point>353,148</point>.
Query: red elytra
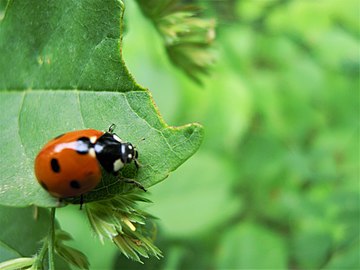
<point>63,170</point>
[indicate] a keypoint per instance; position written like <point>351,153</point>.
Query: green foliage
<point>23,239</point>
<point>61,69</point>
<point>282,128</point>
<point>54,51</point>
<point>122,221</point>
<point>20,263</point>
<point>21,231</point>
<point>67,253</point>
<point>188,39</point>
<point>275,184</point>
<point>242,246</point>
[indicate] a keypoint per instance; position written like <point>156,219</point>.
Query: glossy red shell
<point>77,173</point>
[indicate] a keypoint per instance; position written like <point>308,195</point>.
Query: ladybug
<point>70,164</point>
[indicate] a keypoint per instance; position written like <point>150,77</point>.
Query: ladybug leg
<point>137,164</point>
<point>135,183</point>
<point>81,201</point>
<point>136,161</point>
<point>59,202</point>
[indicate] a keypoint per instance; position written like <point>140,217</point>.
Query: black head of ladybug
<point>129,153</point>
<point>113,153</point>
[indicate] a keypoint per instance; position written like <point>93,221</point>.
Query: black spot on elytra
<point>44,185</point>
<point>55,165</point>
<point>75,184</point>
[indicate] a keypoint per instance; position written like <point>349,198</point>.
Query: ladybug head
<point>129,153</point>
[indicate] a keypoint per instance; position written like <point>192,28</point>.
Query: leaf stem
<point>51,239</point>
<point>38,264</point>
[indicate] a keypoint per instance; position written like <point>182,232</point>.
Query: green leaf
<point>311,249</point>
<point>69,254</point>
<point>3,4</point>
<point>192,202</point>
<point>21,235</point>
<point>21,232</point>
<point>56,57</point>
<point>188,39</point>
<point>19,263</point>
<point>345,259</point>
<point>251,246</point>
<point>63,45</point>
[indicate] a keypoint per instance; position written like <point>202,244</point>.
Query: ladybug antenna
<point>137,163</point>
<point>140,140</point>
<point>111,128</point>
<point>136,156</point>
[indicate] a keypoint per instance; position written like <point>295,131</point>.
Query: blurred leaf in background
<point>187,37</point>
<point>276,182</point>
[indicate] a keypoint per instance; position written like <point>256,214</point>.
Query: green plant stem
<point>51,240</point>
<point>38,264</point>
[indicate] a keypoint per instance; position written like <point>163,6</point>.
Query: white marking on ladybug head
<point>92,152</point>
<point>123,149</point>
<point>130,146</point>
<point>117,165</point>
<point>117,138</point>
<point>93,139</point>
<point>130,156</point>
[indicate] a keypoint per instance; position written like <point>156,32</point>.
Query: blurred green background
<point>275,184</point>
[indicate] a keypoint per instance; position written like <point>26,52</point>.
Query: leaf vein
<point>79,105</point>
